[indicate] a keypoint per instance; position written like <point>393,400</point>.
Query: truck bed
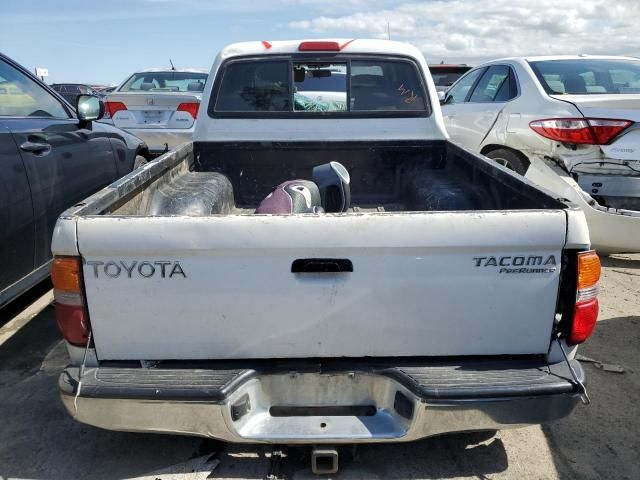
<point>386,177</point>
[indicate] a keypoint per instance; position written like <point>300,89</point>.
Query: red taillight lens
<point>190,107</point>
<point>587,131</point>
<point>607,130</point>
<point>567,130</point>
<point>71,313</point>
<point>585,312</point>
<point>319,47</point>
<point>584,321</point>
<point>73,324</point>
<point>111,108</point>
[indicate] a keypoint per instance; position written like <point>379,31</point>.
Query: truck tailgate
<point>423,284</point>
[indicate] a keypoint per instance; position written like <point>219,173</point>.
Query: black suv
<point>50,159</point>
<point>70,91</point>
<point>445,75</point>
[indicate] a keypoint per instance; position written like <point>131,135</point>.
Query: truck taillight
<point>585,312</point>
<point>190,107</point>
<point>322,46</point>
<point>319,46</point>
<point>71,312</point>
<point>111,108</point>
<point>587,131</point>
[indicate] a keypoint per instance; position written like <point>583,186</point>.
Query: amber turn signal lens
<point>588,269</point>
<point>65,274</point>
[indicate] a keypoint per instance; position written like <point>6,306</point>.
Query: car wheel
<point>139,162</point>
<point>509,159</point>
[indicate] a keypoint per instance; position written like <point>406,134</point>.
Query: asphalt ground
<point>38,439</point>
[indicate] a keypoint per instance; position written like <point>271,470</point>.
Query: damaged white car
<point>570,124</point>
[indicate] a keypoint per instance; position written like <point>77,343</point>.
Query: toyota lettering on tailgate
<point>135,268</point>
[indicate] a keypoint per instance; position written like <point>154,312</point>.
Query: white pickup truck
<point>314,270</point>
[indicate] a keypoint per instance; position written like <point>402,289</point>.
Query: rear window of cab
<point>303,86</point>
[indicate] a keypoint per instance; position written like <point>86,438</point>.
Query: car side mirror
<point>89,107</point>
<point>441,97</point>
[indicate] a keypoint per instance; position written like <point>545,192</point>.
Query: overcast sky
<point>103,42</point>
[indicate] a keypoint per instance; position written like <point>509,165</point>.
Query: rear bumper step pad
<point>487,379</point>
<point>154,383</point>
<point>434,381</point>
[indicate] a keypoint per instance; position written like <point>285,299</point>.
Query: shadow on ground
<point>451,456</point>
<point>23,301</point>
<point>621,261</point>
<point>602,440</point>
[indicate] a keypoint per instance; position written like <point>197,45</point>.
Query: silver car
<point>569,123</point>
<point>159,106</point>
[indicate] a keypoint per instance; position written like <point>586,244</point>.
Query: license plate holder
<point>152,116</point>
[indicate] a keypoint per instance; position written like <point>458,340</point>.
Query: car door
<point>17,241</point>
<point>475,117</point>
<point>455,99</point>
<point>65,159</point>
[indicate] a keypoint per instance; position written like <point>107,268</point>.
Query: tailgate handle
<point>321,265</point>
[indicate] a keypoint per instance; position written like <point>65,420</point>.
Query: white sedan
<point>570,124</point>
<point>159,106</point>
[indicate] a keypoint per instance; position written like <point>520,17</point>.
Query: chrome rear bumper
<point>352,406</point>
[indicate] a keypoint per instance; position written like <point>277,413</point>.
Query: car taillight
<point>606,130</point>
<point>71,312</point>
<point>190,107</point>
<point>585,312</point>
<point>111,108</point>
<point>588,131</point>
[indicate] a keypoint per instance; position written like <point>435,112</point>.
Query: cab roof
<point>346,45</point>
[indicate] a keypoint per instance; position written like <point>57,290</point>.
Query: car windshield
<point>165,82</point>
<point>588,76</point>
<point>335,81</point>
<point>320,87</point>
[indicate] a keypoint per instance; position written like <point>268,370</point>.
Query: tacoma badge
<point>519,264</point>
